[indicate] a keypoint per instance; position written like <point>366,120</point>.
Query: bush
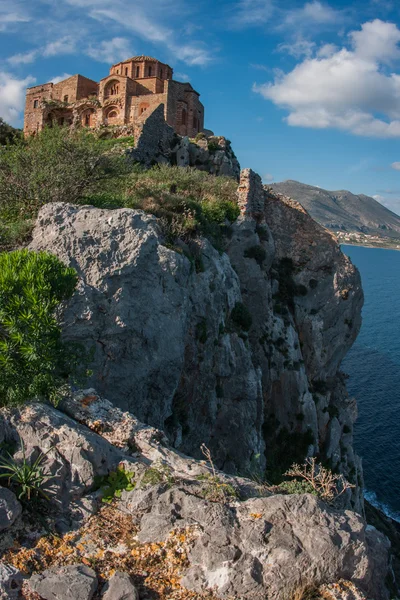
<point>241,316</point>
<point>34,362</point>
<point>59,165</point>
<point>257,252</point>
<point>8,134</point>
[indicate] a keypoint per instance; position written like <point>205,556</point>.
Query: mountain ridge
<point>353,217</point>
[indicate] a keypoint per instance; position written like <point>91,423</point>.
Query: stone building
<point>132,90</point>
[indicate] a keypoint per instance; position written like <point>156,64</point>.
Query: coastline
<point>377,247</point>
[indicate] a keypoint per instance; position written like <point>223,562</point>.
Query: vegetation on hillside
<point>61,165</point>
<point>34,360</point>
<point>8,134</point>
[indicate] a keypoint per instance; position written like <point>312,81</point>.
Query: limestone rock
<point>64,583</point>
<point>240,548</point>
<point>10,582</point>
<point>166,347</point>
<point>75,455</point>
<point>120,587</point>
<point>10,508</point>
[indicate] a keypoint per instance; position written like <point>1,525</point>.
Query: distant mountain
<point>344,212</point>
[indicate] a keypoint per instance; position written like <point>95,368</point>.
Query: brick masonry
<point>132,88</point>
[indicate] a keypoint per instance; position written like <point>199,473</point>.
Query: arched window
<point>126,71</point>
<point>149,71</point>
<point>184,117</point>
<point>65,98</point>
<point>111,89</point>
<point>137,71</point>
<point>161,74</point>
<point>112,114</point>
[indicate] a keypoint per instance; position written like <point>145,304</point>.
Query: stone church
<point>132,90</point>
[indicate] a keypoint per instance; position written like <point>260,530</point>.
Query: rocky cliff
<point>240,350</point>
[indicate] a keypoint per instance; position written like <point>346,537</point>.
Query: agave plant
<point>27,478</point>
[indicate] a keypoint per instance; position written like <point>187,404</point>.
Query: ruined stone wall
<point>74,88</point>
<point>143,106</point>
<point>33,121</point>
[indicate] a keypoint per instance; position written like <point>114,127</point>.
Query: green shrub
<point>58,165</point>
<point>257,252</point>
<point>26,478</point>
<point>213,147</point>
<point>8,134</point>
<point>113,484</point>
<point>34,362</point>
<point>297,487</point>
<point>158,473</point>
<point>241,316</point>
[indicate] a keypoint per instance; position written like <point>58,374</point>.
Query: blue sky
<point>305,90</point>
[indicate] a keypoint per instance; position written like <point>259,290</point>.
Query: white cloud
<point>252,12</point>
<point>298,48</point>
<point>396,166</point>
<point>392,204</point>
<point>59,78</point>
<point>313,13</point>
<point>181,76</point>
<point>12,96</point>
<point>347,89</point>
<point>24,58</point>
<point>65,45</point>
<point>267,178</point>
<point>111,51</point>
<point>146,26</point>
<point>11,13</point>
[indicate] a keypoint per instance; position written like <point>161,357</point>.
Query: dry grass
<point>108,543</point>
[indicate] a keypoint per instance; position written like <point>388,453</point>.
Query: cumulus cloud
<point>347,88</point>
<point>396,166</point>
<point>111,51</point>
<point>12,96</point>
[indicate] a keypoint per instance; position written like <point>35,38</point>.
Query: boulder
<point>10,508</point>
<point>120,587</point>
<point>76,582</point>
<point>239,548</point>
<point>10,582</point>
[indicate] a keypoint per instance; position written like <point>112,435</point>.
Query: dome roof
<point>141,58</point>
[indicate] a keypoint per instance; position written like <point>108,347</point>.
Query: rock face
<point>175,347</point>
<point>10,508</point>
<point>156,142</point>
<point>74,457</point>
<point>251,544</point>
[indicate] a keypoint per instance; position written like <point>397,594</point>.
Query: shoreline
<point>369,246</point>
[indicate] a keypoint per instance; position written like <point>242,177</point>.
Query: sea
<point>373,364</point>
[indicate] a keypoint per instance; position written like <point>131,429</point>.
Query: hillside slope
<point>344,212</point>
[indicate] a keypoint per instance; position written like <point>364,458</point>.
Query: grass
<point>79,168</point>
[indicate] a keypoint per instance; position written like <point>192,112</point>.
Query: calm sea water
<point>374,368</point>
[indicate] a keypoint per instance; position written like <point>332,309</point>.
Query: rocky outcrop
<point>177,349</point>
<point>157,143</point>
<point>234,544</point>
